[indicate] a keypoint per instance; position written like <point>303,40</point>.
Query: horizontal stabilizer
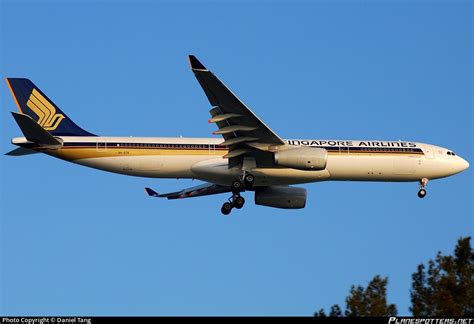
<point>152,193</point>
<point>21,151</point>
<point>34,132</point>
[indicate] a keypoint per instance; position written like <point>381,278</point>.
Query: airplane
<point>250,157</point>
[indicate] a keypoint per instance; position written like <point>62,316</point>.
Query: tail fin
<point>33,102</point>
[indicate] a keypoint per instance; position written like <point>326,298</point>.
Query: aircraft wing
<point>197,191</point>
<point>239,126</point>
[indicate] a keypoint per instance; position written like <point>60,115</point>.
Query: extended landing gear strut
<point>237,201</point>
<point>422,191</point>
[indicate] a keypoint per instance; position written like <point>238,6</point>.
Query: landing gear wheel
<point>249,179</point>
<point>239,202</point>
<point>237,186</point>
<point>422,193</point>
<point>226,208</point>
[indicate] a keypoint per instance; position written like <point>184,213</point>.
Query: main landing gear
<point>245,182</point>
<point>422,191</point>
<point>237,201</point>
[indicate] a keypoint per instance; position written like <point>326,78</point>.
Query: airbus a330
<point>250,157</point>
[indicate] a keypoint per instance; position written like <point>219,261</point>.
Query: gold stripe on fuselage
<point>77,153</point>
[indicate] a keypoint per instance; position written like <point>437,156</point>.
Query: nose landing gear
<point>422,191</point>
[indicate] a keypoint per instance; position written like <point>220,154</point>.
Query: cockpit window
<point>450,153</point>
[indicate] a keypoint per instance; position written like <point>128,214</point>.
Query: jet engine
<point>303,158</point>
<point>281,197</point>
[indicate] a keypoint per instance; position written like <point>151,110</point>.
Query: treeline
<point>442,288</point>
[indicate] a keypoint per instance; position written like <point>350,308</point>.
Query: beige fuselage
<point>202,158</point>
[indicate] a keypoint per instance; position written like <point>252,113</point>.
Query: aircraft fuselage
<point>202,158</point>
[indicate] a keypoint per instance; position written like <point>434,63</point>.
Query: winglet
<point>195,64</point>
<point>152,193</point>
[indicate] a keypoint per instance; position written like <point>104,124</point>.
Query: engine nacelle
<point>281,197</point>
<point>303,158</point>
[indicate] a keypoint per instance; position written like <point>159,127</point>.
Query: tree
<point>443,288</point>
<point>446,288</point>
<point>335,311</point>
<point>320,313</point>
<point>371,301</point>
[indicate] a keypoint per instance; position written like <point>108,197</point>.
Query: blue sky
<point>77,241</point>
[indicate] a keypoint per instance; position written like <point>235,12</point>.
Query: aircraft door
<point>212,149</point>
<point>343,150</point>
<point>101,145</point>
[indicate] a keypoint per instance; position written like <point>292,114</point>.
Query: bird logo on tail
<point>47,116</point>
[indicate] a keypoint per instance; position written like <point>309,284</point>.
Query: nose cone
<point>463,164</point>
<point>460,165</point>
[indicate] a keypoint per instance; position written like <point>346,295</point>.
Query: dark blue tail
<point>34,103</point>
